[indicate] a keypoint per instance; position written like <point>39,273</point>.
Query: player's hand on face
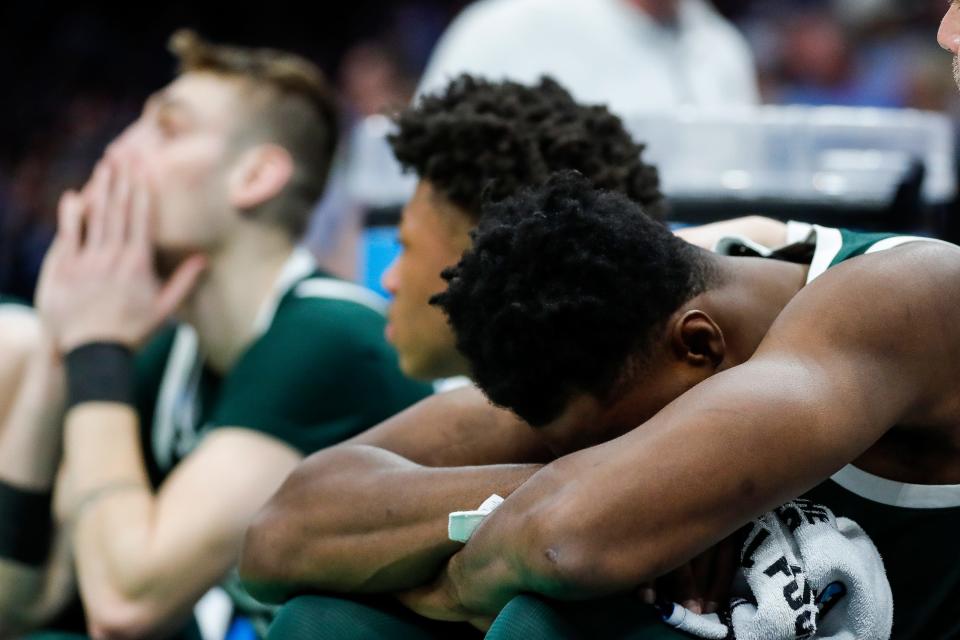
<point>98,281</point>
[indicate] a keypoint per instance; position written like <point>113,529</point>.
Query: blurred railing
<point>859,167</point>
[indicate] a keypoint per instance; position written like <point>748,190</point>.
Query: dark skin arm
<point>870,345</point>
<point>370,515</point>
<point>457,428</point>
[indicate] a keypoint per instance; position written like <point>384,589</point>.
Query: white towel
<point>803,574</point>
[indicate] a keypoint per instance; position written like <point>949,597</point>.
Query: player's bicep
<point>873,335</point>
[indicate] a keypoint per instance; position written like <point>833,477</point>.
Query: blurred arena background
<point>77,73</point>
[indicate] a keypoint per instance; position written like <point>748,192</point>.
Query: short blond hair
<point>296,109</point>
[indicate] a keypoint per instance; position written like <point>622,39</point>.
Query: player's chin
<point>414,365</point>
<point>410,367</point>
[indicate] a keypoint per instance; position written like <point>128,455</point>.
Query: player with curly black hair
<point>478,137</point>
<point>560,286</point>
<point>693,391</point>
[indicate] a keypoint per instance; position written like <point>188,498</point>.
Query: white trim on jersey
<point>896,241</point>
<point>897,494</point>
<point>828,244</point>
<point>298,266</point>
<point>341,290</point>
<point>177,393</point>
<point>798,232</point>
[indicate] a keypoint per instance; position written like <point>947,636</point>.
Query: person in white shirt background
<point>633,55</point>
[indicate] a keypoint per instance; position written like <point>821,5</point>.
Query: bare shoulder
<point>920,263</point>
<point>913,280</point>
<point>891,314</point>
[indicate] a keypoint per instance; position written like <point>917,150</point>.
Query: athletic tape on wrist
<point>99,372</point>
<point>462,524</point>
<point>26,525</point>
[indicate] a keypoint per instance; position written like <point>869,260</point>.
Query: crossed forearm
<point>358,518</point>
<point>525,546</point>
<point>604,519</point>
<point>131,578</point>
<point>109,501</point>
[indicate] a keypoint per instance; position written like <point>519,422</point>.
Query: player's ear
<point>697,340</point>
<point>259,175</point>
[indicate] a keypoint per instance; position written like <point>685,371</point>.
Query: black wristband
<point>26,525</point>
<point>99,372</point>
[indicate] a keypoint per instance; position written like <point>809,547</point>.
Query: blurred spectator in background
<point>377,75</point>
<point>60,156</point>
<point>63,54</point>
<point>373,79</point>
<point>633,55</point>
<point>869,53</point>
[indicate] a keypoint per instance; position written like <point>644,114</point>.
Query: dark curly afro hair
<point>492,138</point>
<point>565,286</point>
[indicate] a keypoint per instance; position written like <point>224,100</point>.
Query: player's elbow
<point>313,531</point>
<point>566,555</point>
<point>558,563</point>
<point>265,559</point>
<point>281,544</point>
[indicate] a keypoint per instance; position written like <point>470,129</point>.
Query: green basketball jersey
<point>319,372</point>
<point>913,526</point>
